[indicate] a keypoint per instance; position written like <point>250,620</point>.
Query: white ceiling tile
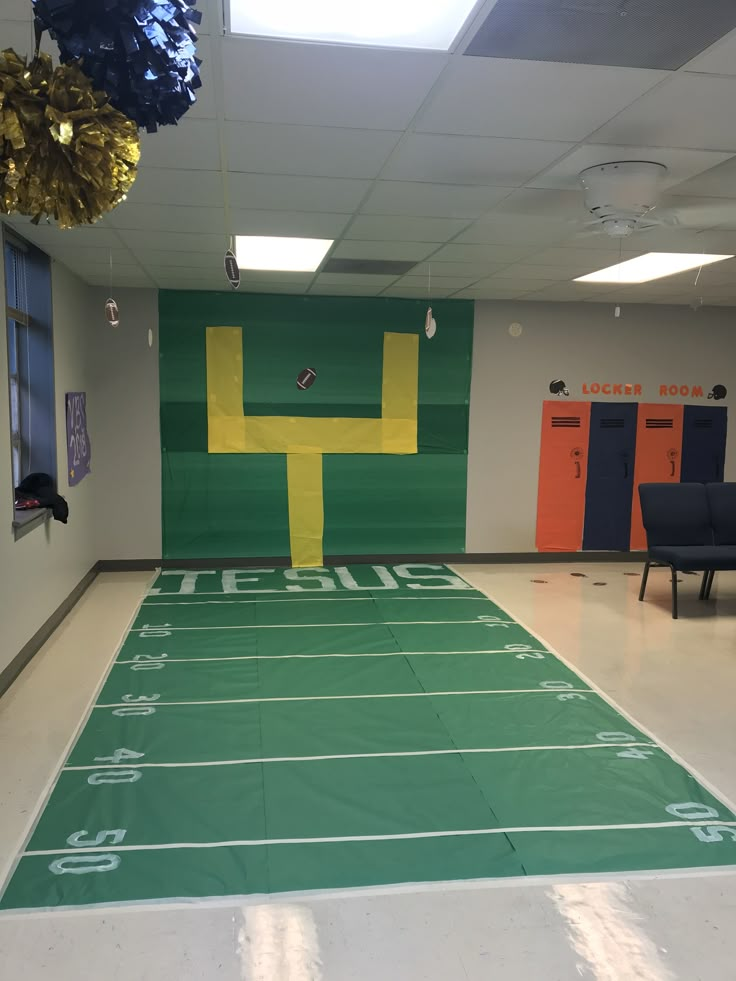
<point>585,260</point>
<point>403,251</point>
<point>437,283</point>
<point>197,260</point>
<point>354,279</point>
<point>294,289</point>
<point>487,291</point>
<point>334,289</point>
<point>380,227</point>
<point>565,291</point>
<point>298,224</point>
<point>697,111</point>
<point>718,182</point>
<point>325,85</point>
<point>205,106</point>
<point>90,236</point>
<point>173,241</point>
<point>526,270</point>
<point>530,100</point>
<point>718,59</point>
<point>162,218</point>
<point>471,159</point>
<point>16,34</point>
<point>17,10</point>
<point>681,164</point>
<point>537,203</point>
<point>283,193</point>
<point>467,270</point>
<point>193,144</point>
<point>463,252</point>
<point>312,151</point>
<point>502,230</point>
<point>416,293</point>
<point>175,187</point>
<point>432,200</point>
<point>501,288</point>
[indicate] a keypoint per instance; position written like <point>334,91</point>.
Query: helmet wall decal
<point>719,392</point>
<point>558,387</point>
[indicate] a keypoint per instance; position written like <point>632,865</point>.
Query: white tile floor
<point>676,677</point>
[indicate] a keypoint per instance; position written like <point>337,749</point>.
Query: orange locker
<point>658,456</point>
<point>563,465</point>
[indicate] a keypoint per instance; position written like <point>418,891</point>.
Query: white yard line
<point>254,843</point>
<point>288,657</point>
<point>157,630</point>
<point>358,756</point>
<point>343,698</point>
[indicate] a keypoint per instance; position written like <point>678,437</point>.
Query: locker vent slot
<point>703,423</point>
<point>566,422</point>
<point>612,424</point>
<point>660,424</point>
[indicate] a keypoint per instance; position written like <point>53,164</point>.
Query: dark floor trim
<point>27,652</point>
<point>478,558</point>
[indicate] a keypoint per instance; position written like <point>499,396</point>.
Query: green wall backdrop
<point>232,505</point>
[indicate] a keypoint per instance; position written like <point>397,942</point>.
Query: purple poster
<point>77,441</point>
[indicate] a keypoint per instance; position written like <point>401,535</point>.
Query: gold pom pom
<point>65,151</point>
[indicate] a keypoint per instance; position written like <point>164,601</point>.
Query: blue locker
<point>703,443</point>
<point>610,484</point>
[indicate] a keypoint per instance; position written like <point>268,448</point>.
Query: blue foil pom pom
<point>142,53</point>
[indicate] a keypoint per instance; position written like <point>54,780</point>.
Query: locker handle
<point>577,470</point>
<point>718,468</point>
<point>626,467</point>
<point>672,471</point>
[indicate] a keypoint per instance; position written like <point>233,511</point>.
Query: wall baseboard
<point>34,645</point>
<point>280,561</point>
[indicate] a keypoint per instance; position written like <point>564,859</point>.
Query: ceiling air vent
<point>368,267</point>
<point>662,34</point>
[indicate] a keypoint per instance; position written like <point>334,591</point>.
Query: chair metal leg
<point>704,585</point>
<point>711,577</point>
<point>644,578</point>
<point>674,592</point>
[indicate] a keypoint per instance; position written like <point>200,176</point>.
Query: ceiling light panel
<point>285,254</point>
<point>653,265</point>
<point>381,23</point>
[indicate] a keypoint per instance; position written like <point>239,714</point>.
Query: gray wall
<point>124,426</point>
<point>38,571</point>
<point>579,343</point>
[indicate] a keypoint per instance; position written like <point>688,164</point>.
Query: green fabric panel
<point>296,786</point>
<point>359,609</point>
<point>640,849</point>
<point>181,805</point>
<point>231,505</point>
<point>597,786</point>
<point>224,505</point>
<point>190,681</point>
<point>394,504</point>
<point>167,874</point>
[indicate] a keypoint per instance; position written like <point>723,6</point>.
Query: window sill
<point>26,521</point>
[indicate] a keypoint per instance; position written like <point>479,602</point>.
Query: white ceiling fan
<point>623,198</point>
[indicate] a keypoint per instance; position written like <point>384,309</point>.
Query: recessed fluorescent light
<point>427,24</point>
<point>653,265</point>
<point>280,254</point>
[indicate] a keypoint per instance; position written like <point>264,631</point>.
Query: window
<point>30,360</point>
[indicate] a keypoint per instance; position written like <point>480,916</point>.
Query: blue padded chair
<point>722,504</point>
<point>679,533</point>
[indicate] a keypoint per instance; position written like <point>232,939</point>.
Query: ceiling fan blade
<point>700,216</point>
